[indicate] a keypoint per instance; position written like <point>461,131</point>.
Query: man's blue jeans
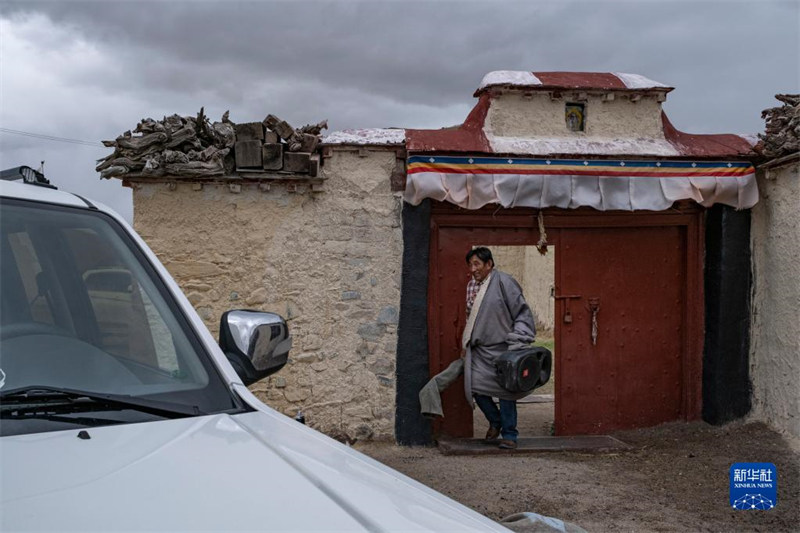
<point>504,418</point>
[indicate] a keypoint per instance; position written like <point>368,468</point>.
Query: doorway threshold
<point>577,443</point>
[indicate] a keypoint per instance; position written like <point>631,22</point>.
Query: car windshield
<point>81,309</point>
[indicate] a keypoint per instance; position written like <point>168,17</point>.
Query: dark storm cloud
<point>102,66</point>
<point>411,52</point>
<point>430,53</point>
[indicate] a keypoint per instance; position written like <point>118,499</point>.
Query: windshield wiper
<point>28,413</point>
<point>42,395</point>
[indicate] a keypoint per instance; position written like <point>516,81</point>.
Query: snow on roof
<point>367,136</point>
<point>570,80</point>
<point>637,81</point>
<point>509,77</point>
<point>752,138</point>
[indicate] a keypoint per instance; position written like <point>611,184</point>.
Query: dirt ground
<point>675,477</point>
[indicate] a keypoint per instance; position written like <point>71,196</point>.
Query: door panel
<point>631,375</point>
<point>645,269</point>
<point>450,309</point>
<point>447,308</point>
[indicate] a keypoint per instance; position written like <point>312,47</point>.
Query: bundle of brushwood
<point>175,146</point>
<point>782,135</point>
<point>193,147</point>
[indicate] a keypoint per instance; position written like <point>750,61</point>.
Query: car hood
<point>258,471</point>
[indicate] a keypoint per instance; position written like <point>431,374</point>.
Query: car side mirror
<point>257,344</point>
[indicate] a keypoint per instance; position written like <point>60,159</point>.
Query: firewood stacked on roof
<point>194,147</point>
<point>274,146</point>
<point>782,135</point>
<point>174,146</point>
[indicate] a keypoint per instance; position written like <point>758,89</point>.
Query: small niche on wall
<point>575,116</point>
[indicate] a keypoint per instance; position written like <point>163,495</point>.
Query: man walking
<point>498,320</point>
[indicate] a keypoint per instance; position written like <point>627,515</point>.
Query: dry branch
<point>782,136</point>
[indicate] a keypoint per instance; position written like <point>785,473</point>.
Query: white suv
<point>119,411</point>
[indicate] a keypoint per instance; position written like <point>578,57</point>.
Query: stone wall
<point>329,262</point>
<point>536,274</point>
<point>775,335</point>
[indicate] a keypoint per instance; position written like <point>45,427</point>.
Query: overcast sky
<point>91,70</point>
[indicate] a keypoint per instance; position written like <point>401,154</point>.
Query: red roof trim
<point>580,80</point>
<point>468,137</point>
<point>706,145</point>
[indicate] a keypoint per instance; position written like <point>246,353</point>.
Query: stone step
<point>579,443</point>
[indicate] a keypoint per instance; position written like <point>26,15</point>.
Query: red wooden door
<point>631,374</point>
<point>645,272</point>
<point>447,307</point>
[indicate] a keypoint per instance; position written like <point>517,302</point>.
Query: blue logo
<point>753,486</point>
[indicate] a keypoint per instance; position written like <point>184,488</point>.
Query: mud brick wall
<point>329,262</point>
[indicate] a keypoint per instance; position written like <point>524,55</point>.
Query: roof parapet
<point>586,81</point>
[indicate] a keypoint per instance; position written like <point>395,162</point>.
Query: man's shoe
<point>492,434</point>
<point>506,444</point>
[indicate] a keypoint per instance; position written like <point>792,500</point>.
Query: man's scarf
<point>476,306</point>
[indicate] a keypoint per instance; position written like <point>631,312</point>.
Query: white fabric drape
<point>473,191</point>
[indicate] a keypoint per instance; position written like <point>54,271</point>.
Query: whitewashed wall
<point>329,262</point>
<point>775,332</point>
<point>536,274</point>
<point>539,116</point>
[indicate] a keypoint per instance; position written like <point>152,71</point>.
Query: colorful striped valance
<point>472,182</point>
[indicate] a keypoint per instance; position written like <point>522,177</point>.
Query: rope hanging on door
<point>595,329</point>
<point>542,244</point>
<point>594,308</point>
